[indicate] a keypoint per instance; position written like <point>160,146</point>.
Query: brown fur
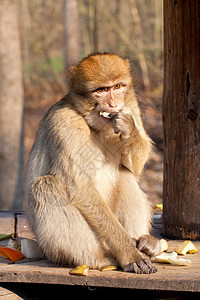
<point>84,202</point>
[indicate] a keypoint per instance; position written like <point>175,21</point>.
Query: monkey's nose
<point>112,103</point>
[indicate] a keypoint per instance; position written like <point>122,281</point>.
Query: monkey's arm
<point>136,145</point>
<point>108,229</point>
<point>111,232</point>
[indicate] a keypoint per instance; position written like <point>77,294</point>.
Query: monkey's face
<point>103,81</point>
<point>108,99</point>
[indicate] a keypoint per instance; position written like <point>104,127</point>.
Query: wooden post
<point>181,119</point>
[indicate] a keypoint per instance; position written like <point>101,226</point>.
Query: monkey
<point>84,202</point>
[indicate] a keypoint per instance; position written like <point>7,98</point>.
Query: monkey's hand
<point>123,123</point>
<point>141,267</point>
<point>149,245</point>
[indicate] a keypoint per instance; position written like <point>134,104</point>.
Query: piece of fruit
<point>80,270</point>
<point>186,247</point>
<point>164,245</point>
<point>105,114</point>
<point>30,248</point>
<point>164,257</point>
<point>13,254</point>
<point>179,261</point>
<point>159,206</point>
<point>171,258</point>
<point>109,268</point>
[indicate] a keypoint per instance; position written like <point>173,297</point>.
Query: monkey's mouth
<point>105,114</point>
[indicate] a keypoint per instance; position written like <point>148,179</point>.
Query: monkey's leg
<point>133,208</point>
<point>61,230</point>
<point>134,213</point>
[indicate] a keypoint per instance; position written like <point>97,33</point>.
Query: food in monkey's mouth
<point>105,114</point>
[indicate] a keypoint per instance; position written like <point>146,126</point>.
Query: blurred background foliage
<point>56,34</point>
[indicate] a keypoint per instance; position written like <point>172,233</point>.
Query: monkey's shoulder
<point>62,116</point>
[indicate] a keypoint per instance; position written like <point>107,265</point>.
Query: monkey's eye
<point>117,86</point>
<point>101,90</point>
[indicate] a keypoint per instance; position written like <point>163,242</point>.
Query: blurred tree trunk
<point>139,42</point>
<point>71,33</point>
<point>11,113</point>
<point>93,24</point>
<point>181,119</point>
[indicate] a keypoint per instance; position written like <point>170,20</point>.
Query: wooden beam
<point>181,119</point>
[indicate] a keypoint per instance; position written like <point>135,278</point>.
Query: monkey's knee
<point>49,190</point>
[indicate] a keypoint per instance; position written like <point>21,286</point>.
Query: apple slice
<point>171,258</point>
<point>80,270</point>
<point>164,245</point>
<point>164,257</point>
<point>186,247</point>
<point>179,261</point>
<point>109,268</point>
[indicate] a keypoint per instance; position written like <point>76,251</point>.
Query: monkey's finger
<point>132,267</point>
<point>145,268</point>
<point>141,244</point>
<point>113,114</point>
<point>115,126</point>
<point>149,264</point>
<point>116,130</point>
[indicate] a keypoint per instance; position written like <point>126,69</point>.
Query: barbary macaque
<point>84,202</point>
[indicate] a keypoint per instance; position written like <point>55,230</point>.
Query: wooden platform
<point>168,277</point>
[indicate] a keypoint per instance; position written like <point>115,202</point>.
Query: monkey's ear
<point>72,71</point>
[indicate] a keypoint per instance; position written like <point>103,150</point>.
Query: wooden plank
<point>8,295</point>
<point>168,277</point>
<point>6,222</point>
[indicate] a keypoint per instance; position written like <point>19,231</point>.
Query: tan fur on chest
<point>105,182</point>
<point>107,174</point>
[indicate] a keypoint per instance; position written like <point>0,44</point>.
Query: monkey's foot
<point>141,267</point>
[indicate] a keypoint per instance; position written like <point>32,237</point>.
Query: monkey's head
<point>102,83</point>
